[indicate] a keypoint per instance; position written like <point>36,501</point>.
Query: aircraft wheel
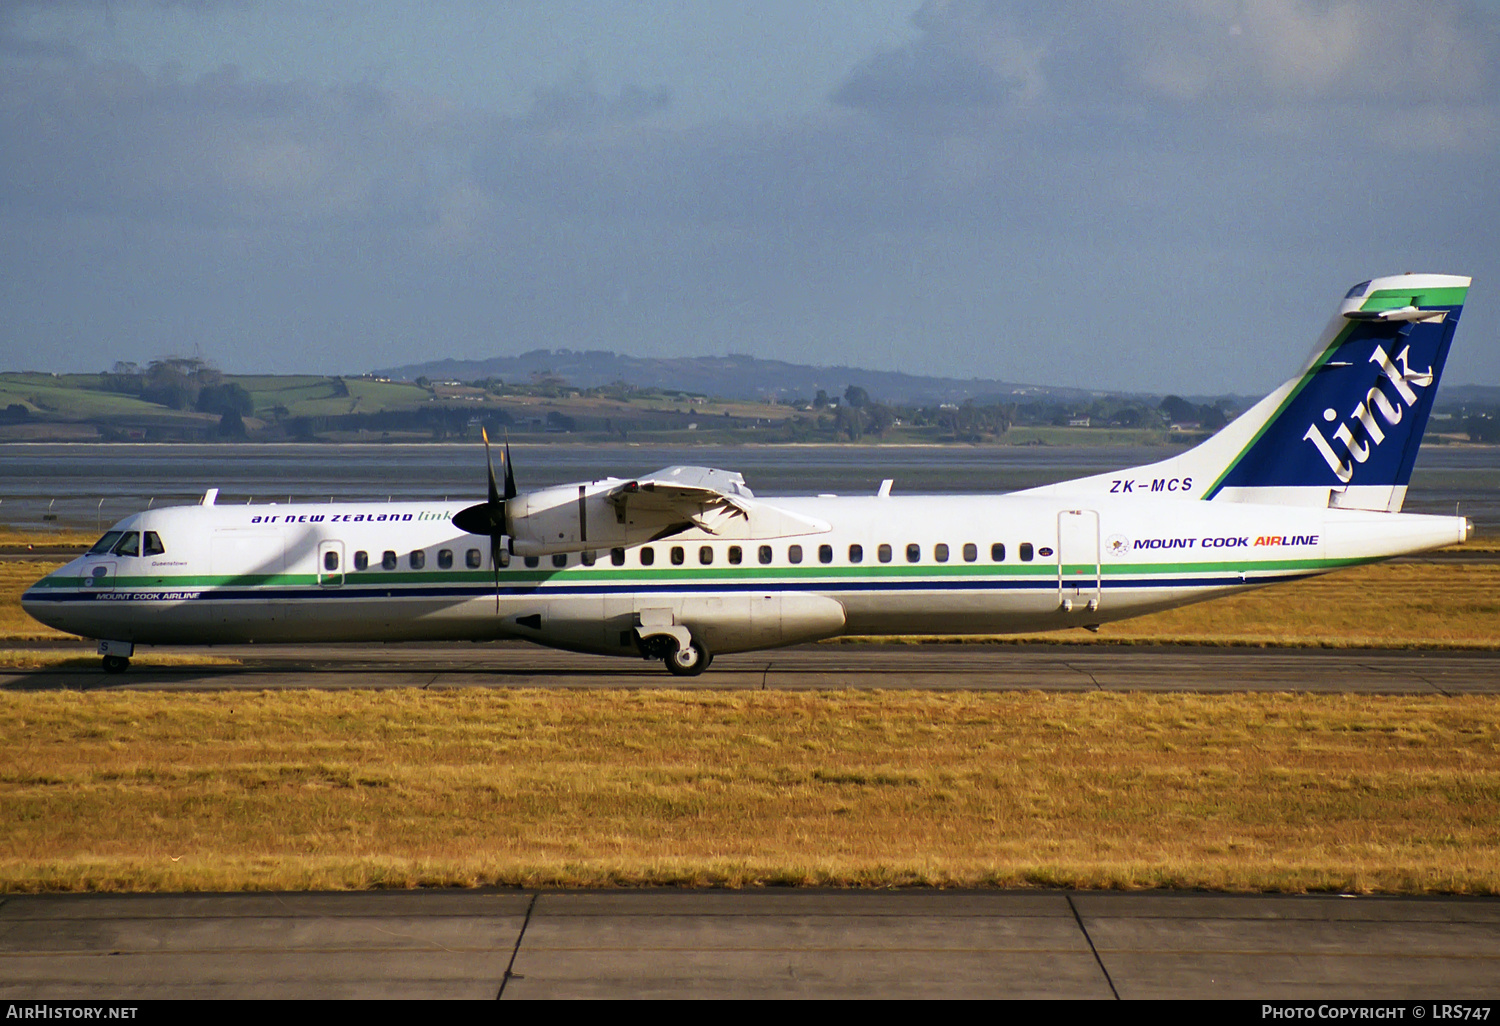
<point>115,664</point>
<point>690,663</point>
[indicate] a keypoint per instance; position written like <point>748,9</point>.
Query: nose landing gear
<point>116,655</point>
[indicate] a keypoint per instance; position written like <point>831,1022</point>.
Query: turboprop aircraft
<point>687,563</point>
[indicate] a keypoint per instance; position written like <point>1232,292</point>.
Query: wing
<point>699,496</point>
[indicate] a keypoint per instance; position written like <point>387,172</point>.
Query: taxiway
<point>893,666</point>
<point>761,944</point>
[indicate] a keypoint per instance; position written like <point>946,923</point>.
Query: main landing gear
<point>683,656</point>
<point>688,663</point>
<point>115,664</point>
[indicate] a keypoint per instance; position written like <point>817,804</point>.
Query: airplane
<point>688,563</point>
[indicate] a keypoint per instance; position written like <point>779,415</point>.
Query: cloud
<point>988,199</point>
<point>968,57</point>
<point>1072,56</point>
<point>578,104</point>
<point>218,148</point>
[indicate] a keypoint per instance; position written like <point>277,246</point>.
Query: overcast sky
<point>1152,196</point>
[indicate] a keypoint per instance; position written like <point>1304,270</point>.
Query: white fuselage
<point>886,565</point>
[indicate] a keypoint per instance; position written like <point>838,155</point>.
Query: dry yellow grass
<point>27,658</point>
<point>62,536</point>
<point>131,791</point>
<point>16,577</point>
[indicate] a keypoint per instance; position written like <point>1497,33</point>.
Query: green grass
<point>55,398</point>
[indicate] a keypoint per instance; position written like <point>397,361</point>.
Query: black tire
<point>690,665</point>
<point>115,664</point>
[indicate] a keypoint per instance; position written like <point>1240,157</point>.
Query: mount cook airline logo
<point>1404,380</point>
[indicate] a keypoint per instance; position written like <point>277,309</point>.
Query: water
<point>91,486</point>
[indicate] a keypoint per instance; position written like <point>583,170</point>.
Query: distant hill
<point>751,378</point>
<point>1469,395</point>
<point>728,377</point>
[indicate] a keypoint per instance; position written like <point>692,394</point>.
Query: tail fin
<point>1345,431</point>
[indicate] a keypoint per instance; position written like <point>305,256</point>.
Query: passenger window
<point>106,543</point>
<point>678,557</point>
<point>825,553</point>
<point>417,559</point>
<point>648,555</point>
<point>794,553</point>
<point>560,559</point>
<point>884,552</point>
<point>532,562</point>
<point>997,552</point>
<point>913,553</point>
<point>130,545</point>
<point>589,557</point>
<point>940,552</point>
<point>473,559</point>
<point>361,560</point>
<point>617,557</point>
<point>445,559</point>
<point>387,560</point>
<point>765,554</point>
<point>705,554</point>
<point>1026,552</point>
<point>736,555</point>
<point>152,546</point>
<point>856,554</point>
<point>330,560</point>
<point>971,552</point>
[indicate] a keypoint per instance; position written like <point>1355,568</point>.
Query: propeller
<point>488,518</point>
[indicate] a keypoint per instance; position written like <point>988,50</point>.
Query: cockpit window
<point>106,543</point>
<point>152,545</point>
<point>130,545</point>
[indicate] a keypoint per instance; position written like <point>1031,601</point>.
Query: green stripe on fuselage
<point>769,576</point>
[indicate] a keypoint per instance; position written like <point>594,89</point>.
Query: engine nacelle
<point>567,518</point>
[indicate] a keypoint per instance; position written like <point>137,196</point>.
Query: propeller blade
<point>510,477</point>
<point>490,465</point>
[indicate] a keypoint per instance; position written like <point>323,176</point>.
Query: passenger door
<point>1079,583</point>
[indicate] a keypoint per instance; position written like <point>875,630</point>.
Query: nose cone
<point>31,604</point>
<point>40,600</point>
